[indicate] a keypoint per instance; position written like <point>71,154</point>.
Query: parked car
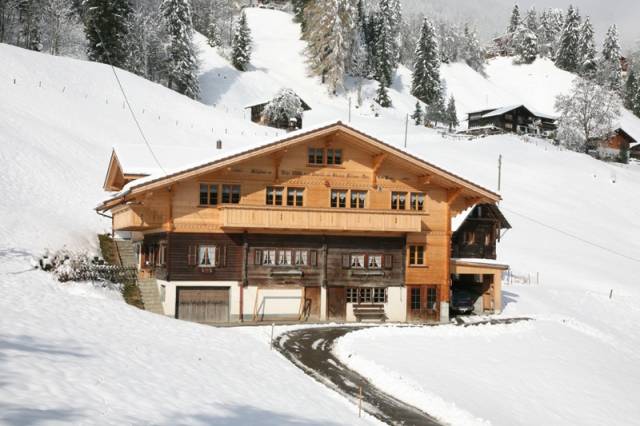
<point>462,302</point>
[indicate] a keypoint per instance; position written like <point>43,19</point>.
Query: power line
<point>126,99</point>
<point>617,253</point>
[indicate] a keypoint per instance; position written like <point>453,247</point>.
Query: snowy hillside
<point>74,354</point>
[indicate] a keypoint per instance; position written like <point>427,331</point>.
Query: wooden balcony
<point>136,218</point>
<point>310,219</point>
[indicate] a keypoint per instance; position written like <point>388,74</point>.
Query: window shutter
<point>257,260</point>
<point>313,258</point>
<point>223,256</point>
<point>388,261</point>
<point>192,256</point>
<point>218,256</point>
<point>346,261</point>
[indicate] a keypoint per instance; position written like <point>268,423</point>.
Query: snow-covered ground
<point>74,354</point>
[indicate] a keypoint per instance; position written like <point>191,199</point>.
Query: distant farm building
<point>612,147</point>
<point>257,109</point>
<point>513,119</point>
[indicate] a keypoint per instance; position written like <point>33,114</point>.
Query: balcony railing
<point>136,218</point>
<point>317,219</point>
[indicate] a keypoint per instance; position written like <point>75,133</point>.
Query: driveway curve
<point>311,350</point>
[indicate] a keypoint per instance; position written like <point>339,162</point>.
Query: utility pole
<point>406,129</point>
<point>349,109</point>
<point>499,171</point>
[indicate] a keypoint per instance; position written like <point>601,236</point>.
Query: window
<point>375,261</point>
<point>415,298</point>
<point>301,257</point>
<point>487,239</point>
<point>274,195</point>
<point>295,197</point>
<point>338,198</point>
<point>358,199</point>
<point>285,258</point>
<point>469,237</point>
<point>417,201</point>
<point>398,200</point>
<point>432,298</point>
<point>508,117</point>
<point>208,194</point>
<point>366,295</point>
<point>230,194</point>
<point>357,261</point>
<point>416,255</point>
<point>268,257</point>
<point>206,256</point>
<point>379,295</point>
<point>352,295</point>
<point>316,156</point>
<point>162,254</point>
<point>334,156</point>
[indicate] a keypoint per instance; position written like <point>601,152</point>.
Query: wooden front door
<point>337,303</point>
<point>487,295</point>
<point>311,308</point>
<point>202,304</point>
<point>422,303</point>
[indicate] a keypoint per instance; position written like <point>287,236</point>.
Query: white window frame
<point>211,256</point>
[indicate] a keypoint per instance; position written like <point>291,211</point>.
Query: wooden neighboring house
<point>257,108</point>
<point>612,147</point>
<point>513,119</point>
<point>327,224</point>
<point>476,233</point>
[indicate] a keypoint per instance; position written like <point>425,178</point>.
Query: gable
<point>368,155</point>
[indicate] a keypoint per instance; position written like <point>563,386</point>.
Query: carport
<point>482,277</point>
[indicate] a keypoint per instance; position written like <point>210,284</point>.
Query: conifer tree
<point>384,52</point>
<point>329,40</point>
<point>241,44</point>
<point>213,32</point>
<point>452,114</point>
<point>417,114</point>
<point>392,17</point>
<point>182,64</point>
<point>472,52</point>
<point>531,20</point>
<point>106,31</point>
<point>382,95</point>
<point>425,83</point>
<point>30,21</point>
<point>568,54</point>
<point>515,20</point>
<point>588,63</point>
<point>610,69</point>
<point>631,88</point>
<point>526,46</point>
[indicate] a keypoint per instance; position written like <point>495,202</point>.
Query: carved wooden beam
<point>376,163</point>
<point>277,160</point>
<point>424,179</point>
<point>453,195</point>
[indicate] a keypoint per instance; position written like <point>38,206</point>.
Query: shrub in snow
<point>67,265</point>
<point>586,115</point>
<point>283,108</point>
<point>417,114</point>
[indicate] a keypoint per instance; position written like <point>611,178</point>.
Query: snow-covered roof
<point>136,159</point>
<point>457,221</point>
<point>630,124</point>
<point>483,262</point>
<point>506,109</point>
<point>266,99</point>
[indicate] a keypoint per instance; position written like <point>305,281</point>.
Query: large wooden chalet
<point>512,119</point>
<point>325,224</point>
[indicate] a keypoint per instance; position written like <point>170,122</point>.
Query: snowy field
<point>74,354</point>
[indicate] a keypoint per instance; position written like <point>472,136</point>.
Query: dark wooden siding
<point>340,275</point>
<point>271,275</point>
<point>178,253</point>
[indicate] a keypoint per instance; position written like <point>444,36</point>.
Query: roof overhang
<point>453,181</point>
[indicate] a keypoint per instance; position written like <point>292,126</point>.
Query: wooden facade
<point>479,234</point>
<point>337,210</point>
<point>514,119</point>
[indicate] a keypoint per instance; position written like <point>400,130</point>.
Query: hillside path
<point>311,350</point>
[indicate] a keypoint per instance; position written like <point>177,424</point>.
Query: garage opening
<point>207,305</point>
<point>471,293</point>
